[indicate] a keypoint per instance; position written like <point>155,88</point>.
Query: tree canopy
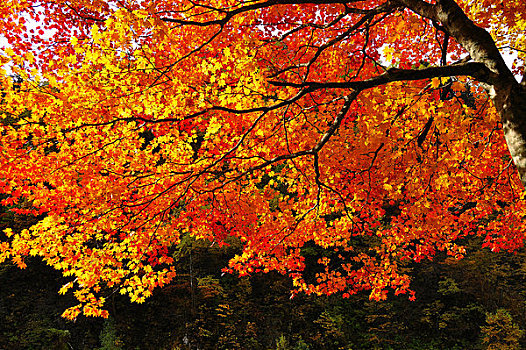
<point>381,132</point>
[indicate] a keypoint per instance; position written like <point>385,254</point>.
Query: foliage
<point>30,312</point>
<point>501,332</point>
<point>336,143</point>
<point>202,309</point>
<point>164,320</point>
<point>283,344</point>
<point>108,336</point>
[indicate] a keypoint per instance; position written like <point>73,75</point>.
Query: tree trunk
<point>509,98</point>
<point>507,94</point>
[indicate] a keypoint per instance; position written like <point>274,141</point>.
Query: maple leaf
<point>276,124</point>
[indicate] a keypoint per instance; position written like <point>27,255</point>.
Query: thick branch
<point>474,69</point>
<point>476,40</point>
<point>507,94</point>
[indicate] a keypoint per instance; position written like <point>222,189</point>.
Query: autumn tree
<point>380,132</point>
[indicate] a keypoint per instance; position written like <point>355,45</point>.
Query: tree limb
<point>474,69</point>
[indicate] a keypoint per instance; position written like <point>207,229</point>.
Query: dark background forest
<point>474,303</point>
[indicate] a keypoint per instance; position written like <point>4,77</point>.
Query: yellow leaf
<point>435,82</point>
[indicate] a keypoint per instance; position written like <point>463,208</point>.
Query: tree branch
<point>476,40</point>
<point>474,69</point>
<point>230,14</point>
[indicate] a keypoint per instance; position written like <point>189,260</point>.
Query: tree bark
<point>509,97</point>
<point>510,102</point>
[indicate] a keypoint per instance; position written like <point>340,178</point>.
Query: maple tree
<point>380,131</point>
